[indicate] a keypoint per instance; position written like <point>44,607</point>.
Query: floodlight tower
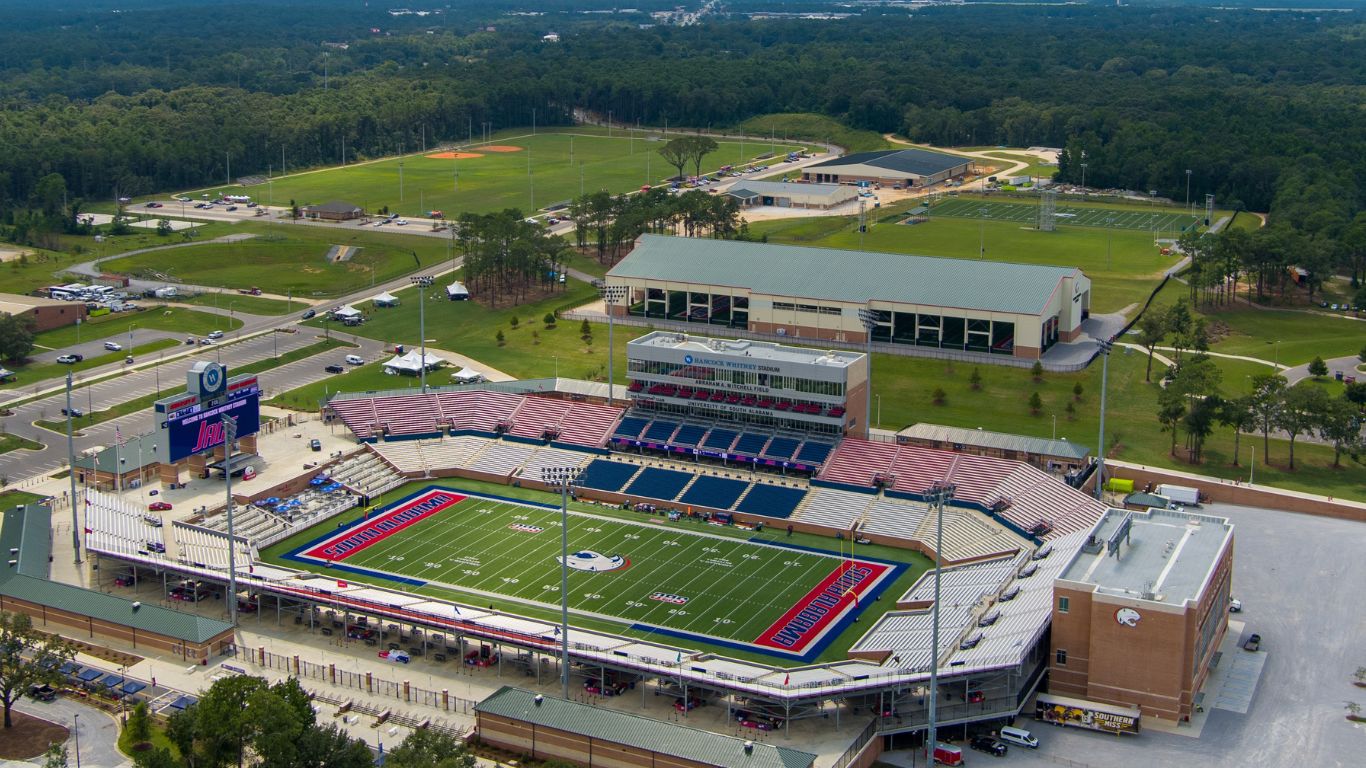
<point>423,282</point>
<point>611,296</point>
<point>562,478</point>
<point>939,495</point>
<point>1105,346</point>
<point>869,318</point>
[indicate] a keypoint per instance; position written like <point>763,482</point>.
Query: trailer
<point>1091,715</point>
<point>1179,494</point>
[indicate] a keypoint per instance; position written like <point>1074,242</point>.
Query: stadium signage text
<point>384,526</point>
<point>814,614</point>
<point>665,597</point>
<point>736,364</point>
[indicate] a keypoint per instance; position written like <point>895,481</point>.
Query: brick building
<point>1140,610</point>
<point>43,314</point>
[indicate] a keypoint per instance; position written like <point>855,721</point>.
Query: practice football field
<point>651,575</point>
<point>527,172</point>
<point>1163,220</point>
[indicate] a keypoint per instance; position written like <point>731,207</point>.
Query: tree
<point>975,379</point>
<point>939,396</point>
<point>1340,425</point>
<point>500,338</point>
<point>549,320</point>
<point>16,337</point>
<point>514,322</point>
<point>677,152</point>
<point>1300,413</point>
<point>157,758</point>
<point>1317,368</point>
<point>1268,396</point>
<point>585,330</point>
<point>27,658</point>
<point>1171,409</point>
<point>1037,371</point>
<point>1199,423</point>
<point>1152,326</point>
<point>698,148</point>
<point>1237,413</point>
<point>1071,410</point>
<point>1362,354</point>
<point>164,227</point>
<point>426,748</point>
<point>139,724</point>
<point>55,756</point>
<point>1035,403</point>
<point>1077,389</point>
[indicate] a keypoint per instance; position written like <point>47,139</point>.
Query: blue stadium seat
<point>719,439</point>
<point>771,501</point>
<point>689,434</point>
<point>607,475</point>
<point>781,448</point>
<point>814,453</point>
<point>659,431</point>
<point>750,443</point>
<point>714,492</point>
<point>655,483</point>
<point>631,426</point>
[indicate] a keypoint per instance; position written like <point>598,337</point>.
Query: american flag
<point>118,435</point>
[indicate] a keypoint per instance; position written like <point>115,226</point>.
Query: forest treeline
<point>1262,108</point>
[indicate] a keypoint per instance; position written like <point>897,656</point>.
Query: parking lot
<point>1297,577</point>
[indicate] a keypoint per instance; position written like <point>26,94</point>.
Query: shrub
<point>1035,403</point>
<point>500,338</point>
<point>939,396</point>
<point>976,379</point>
<point>1037,371</point>
<point>549,319</point>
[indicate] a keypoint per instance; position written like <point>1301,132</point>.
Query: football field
<point>1156,220</point>
<point>652,575</point>
<point>523,171</point>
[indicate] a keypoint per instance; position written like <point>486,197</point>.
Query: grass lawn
<point>471,550</point>
<point>174,319</point>
<point>158,740</point>
<point>11,499</point>
<point>32,374</point>
<point>497,180</point>
<point>812,127</point>
<point>41,267</point>
<point>1036,166</point>
<point>290,258</point>
<point>1132,269</point>
<point>145,402</point>
<point>254,305</point>
<point>10,442</point>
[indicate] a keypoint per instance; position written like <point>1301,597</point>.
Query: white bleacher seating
<point>408,414</point>
<point>536,415</point>
<point>833,508</point>
<point>502,458</point>
<point>856,461</point>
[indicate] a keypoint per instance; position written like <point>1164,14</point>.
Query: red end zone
<point>396,519</point>
<point>815,613</point>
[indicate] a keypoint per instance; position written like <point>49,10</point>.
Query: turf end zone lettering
<point>359,537</point>
<point>821,608</point>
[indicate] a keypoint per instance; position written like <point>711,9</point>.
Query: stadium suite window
<point>1062,657</point>
<point>1063,604</point>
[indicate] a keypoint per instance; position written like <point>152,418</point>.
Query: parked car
<point>159,506</point>
<point>355,360</point>
<point>231,208</point>
<point>113,346</point>
<point>74,413</point>
<point>333,369</point>
<point>398,657</point>
<point>315,444</point>
<point>1235,605</point>
<point>988,745</point>
<point>204,342</point>
<point>1254,642</point>
<point>216,335</point>
<point>70,359</point>
<point>309,313</point>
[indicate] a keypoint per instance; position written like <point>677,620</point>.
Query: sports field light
<point>423,282</point>
<point>939,494</point>
<point>869,319</point>
<point>563,478</point>
<point>611,296</point>
<point>1105,346</point>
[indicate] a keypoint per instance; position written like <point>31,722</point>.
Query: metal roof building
<point>78,612</point>
<point>910,167</point>
<point>816,293</point>
<point>783,194</point>
<point>1038,451</point>
<point>553,728</point>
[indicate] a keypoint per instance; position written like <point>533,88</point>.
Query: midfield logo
<point>665,597</point>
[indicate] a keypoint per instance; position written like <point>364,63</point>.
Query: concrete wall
<point>1232,492</point>
<point>75,625</point>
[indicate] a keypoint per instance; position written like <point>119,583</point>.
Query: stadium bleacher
<point>659,431</point>
<point>771,500</point>
<point>689,435</point>
<point>719,439</point>
<point>607,475</point>
<point>855,461</point>
<point>714,492</point>
<point>631,427</point>
<point>814,452</point>
<point>656,483</point>
<point>781,448</point>
<point>750,443</point>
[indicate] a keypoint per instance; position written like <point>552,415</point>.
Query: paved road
<point>103,394</point>
<point>95,347</point>
<point>99,733</point>
<point>1347,365</point>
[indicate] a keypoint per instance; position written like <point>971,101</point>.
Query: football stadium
<point>724,537</point>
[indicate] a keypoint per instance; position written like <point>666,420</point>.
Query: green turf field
<point>539,171</point>
<point>1066,214</point>
<point>673,576</point>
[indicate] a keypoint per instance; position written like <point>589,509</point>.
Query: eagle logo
<point>1128,617</point>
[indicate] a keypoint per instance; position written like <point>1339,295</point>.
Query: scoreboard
<point>192,422</point>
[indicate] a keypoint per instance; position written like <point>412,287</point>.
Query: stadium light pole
<point>400,181</point>
<point>562,478</point>
<point>1105,346</point>
<point>1083,177</point>
<point>423,282</point>
<point>229,436</point>
<point>1188,190</point>
<point>982,235</point>
<point>940,494</point>
<point>611,295</point>
<point>71,473</point>
<point>869,319</point>
<point>1109,236</point>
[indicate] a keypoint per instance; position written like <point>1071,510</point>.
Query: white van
<point>1019,736</point>
<point>355,360</point>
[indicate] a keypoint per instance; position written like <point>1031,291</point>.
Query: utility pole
<point>230,436</point>
<point>611,295</point>
<point>71,473</point>
<point>562,478</point>
<point>1105,346</point>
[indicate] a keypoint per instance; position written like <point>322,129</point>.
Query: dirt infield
<point>454,156</point>
<point>501,148</point>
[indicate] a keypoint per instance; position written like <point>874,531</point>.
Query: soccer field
<point>1066,215</point>
<point>528,172</point>
<point>652,575</point>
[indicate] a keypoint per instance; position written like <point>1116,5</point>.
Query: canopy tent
<point>346,311</point>
<point>467,376</point>
<point>386,299</point>
<point>457,292</point>
<point>411,364</point>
